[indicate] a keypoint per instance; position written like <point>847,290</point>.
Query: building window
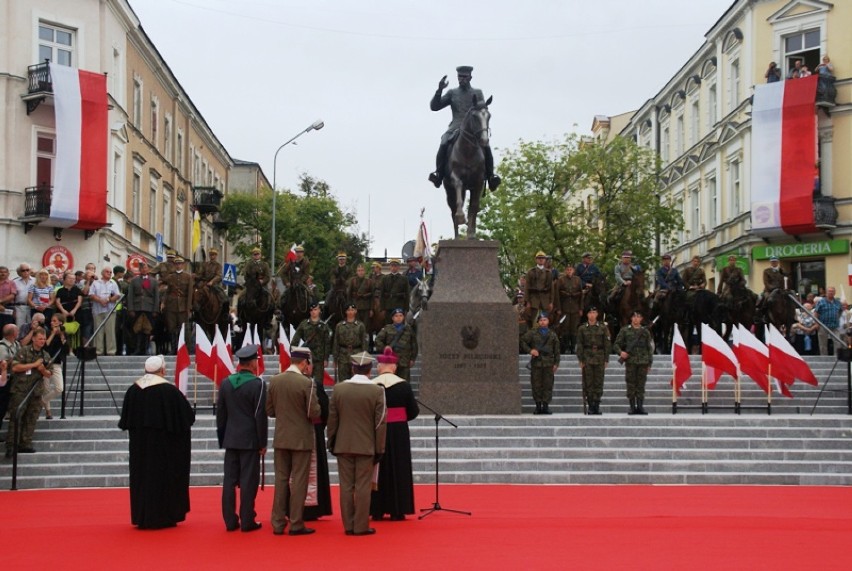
<point>664,145</point>
<point>679,205</point>
<point>137,103</point>
<point>695,119</point>
<point>680,136</point>
<point>155,121</point>
<point>181,228</point>
<point>117,178</point>
<point>712,101</point>
<point>735,187</point>
<point>136,198</point>
<point>179,161</point>
<point>712,203</point>
<point>167,134</point>
<point>735,85</point>
<point>695,219</point>
<point>167,214</point>
<point>116,76</point>
<point>802,46</point>
<point>152,205</point>
<point>55,44</point>
<point>45,156</point>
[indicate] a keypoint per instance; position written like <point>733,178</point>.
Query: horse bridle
<point>473,137</point>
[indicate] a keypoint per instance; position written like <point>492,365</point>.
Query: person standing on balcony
<point>772,74</point>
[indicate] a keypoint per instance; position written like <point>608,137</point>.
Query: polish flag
<point>224,364</point>
<point>79,197</point>
<point>229,344</point>
<point>248,338</point>
<point>783,155</point>
<point>787,364</point>
<point>680,361</point>
<point>291,255</point>
<point>261,366</point>
<point>204,362</point>
<point>182,363</point>
<point>283,350</point>
<point>752,355</point>
<point>783,389</point>
<point>716,355</point>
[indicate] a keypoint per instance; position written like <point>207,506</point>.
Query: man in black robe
<point>395,494</point>
<point>159,418</point>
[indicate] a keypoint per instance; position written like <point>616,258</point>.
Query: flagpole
<point>195,388</point>
<point>738,391</point>
<point>769,389</point>
<point>674,388</point>
<point>703,388</point>
<point>215,376</point>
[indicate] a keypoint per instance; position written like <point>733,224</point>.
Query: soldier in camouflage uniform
<point>315,334</point>
<point>569,297</point>
<point>350,337</point>
<point>360,291</point>
<point>400,337</point>
<point>633,346</point>
<point>543,346</point>
<point>28,368</point>
<point>178,304</point>
<point>394,291</point>
<point>539,288</point>
<point>593,347</point>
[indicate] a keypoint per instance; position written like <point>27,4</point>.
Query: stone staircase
<point>789,446</point>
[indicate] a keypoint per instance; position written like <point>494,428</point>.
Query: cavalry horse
<point>466,167</point>
<point>255,307</point>
<point>633,298</point>
<point>667,312</point>
<point>209,310</point>
<point>294,306</point>
<point>704,307</point>
<point>335,307</point>
<point>595,295</point>
<point>738,305</point>
<point>376,321</point>
<point>779,310</point>
<point>418,300</point>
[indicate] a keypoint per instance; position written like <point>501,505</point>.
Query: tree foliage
<point>313,219</point>
<point>573,196</point>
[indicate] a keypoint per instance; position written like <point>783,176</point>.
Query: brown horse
<point>738,305</point>
<point>209,310</point>
<point>376,321</point>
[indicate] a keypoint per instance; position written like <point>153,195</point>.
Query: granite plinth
<point>469,335</point>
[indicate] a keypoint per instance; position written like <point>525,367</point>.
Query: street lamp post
<point>315,126</point>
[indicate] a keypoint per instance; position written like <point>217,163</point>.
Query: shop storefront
<point>811,266</point>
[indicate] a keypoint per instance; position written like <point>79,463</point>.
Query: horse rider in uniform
<point>539,288</point>
<point>587,271</point>
<point>165,269</point>
<point>178,305</point>
<point>633,346</point>
<point>394,291</point>
<point>569,292</point>
<point>210,275</point>
<point>257,276</point>
<point>732,270</point>
<point>414,273</point>
<point>543,346</point>
<point>350,337</point>
<point>315,334</point>
<point>694,277</point>
<point>400,337</point>
<point>773,279</point>
<point>296,270</point>
<point>593,347</point>
<point>460,100</point>
<point>667,279</point>
<point>623,276</point>
<point>340,275</point>
<point>360,291</point>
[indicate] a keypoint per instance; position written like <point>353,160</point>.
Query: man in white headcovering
<point>159,418</point>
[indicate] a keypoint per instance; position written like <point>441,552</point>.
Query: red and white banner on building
<point>783,156</point>
<point>80,181</point>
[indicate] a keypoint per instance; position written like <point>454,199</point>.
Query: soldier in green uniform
<point>209,274</point>
<point>732,270</point>
<point>593,347</point>
<point>633,346</point>
<point>394,290</point>
<point>539,288</point>
<point>360,291</point>
<point>164,269</point>
<point>178,304</point>
<point>257,276</point>
<point>350,337</point>
<point>694,277</point>
<point>315,334</point>
<point>543,346</point>
<point>569,297</point>
<point>297,270</point>
<point>339,289</point>
<point>28,368</point>
<point>400,337</point>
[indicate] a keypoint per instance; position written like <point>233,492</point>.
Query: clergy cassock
<point>158,418</point>
<point>323,484</point>
<point>395,493</point>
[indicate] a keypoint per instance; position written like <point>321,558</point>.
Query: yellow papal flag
<point>196,231</point>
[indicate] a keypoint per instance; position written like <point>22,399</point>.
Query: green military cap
<point>394,261</point>
<point>171,253</point>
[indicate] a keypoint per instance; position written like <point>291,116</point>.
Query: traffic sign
<point>229,274</point>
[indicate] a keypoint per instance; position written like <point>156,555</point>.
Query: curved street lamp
<point>315,126</point>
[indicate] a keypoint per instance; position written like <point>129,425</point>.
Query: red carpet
<point>512,527</point>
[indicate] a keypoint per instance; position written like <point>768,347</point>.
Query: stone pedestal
<point>469,335</point>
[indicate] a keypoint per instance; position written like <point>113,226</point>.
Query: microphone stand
<point>436,506</point>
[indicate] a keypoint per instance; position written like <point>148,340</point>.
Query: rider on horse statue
<point>667,279</point>
<point>460,100</point>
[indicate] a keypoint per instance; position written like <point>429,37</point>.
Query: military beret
<point>312,305</point>
<point>351,305</point>
<point>300,354</point>
<point>255,250</point>
<point>387,357</point>
<point>667,256</point>
<point>636,312</point>
<point>464,69</point>
<point>247,353</point>
<point>626,254</point>
<point>544,315</point>
<point>397,310</point>
<point>592,308</point>
<point>361,359</point>
<point>118,270</point>
<point>540,254</point>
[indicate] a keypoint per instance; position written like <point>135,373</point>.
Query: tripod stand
<point>436,505</point>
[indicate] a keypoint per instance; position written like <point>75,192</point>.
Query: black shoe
<point>493,182</point>
<point>435,179</point>
<point>349,532</point>
<point>378,517</point>
<point>400,517</point>
<point>303,531</point>
<point>640,409</point>
<point>369,531</point>
<point>545,409</point>
<point>277,532</point>
<point>537,408</point>
<point>232,527</point>
<point>254,526</point>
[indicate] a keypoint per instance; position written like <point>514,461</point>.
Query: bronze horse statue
<point>466,166</point>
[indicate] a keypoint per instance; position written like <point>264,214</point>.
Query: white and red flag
<point>752,355</point>
<point>229,343</point>
<point>182,362</point>
<point>783,155</point>
<point>283,350</point>
<point>224,363</point>
<point>716,355</point>
<point>204,362</point>
<point>261,366</point>
<point>291,255</point>
<point>787,364</point>
<point>79,198</point>
<point>680,361</point>
<point>422,248</point>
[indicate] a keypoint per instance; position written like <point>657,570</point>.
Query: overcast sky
<point>260,71</point>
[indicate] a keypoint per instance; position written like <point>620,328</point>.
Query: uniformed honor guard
<point>667,279</point>
<point>569,296</point>
<point>315,334</point>
<point>210,275</point>
<point>731,272</point>
<point>773,279</point>
<point>360,291</point>
<point>165,269</point>
<point>587,271</point>
<point>178,306</point>
<point>340,275</point>
<point>593,347</point>
<point>296,270</point>
<point>634,350</point>
<point>394,290</point>
<point>400,337</point>
<point>539,288</point>
<point>350,337</point>
<point>694,277</point>
<point>256,274</point>
<point>28,367</point>
<point>543,346</point>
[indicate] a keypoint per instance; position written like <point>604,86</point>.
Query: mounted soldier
<point>623,277</point>
<point>667,280</point>
<point>694,277</point>
<point>209,275</point>
<point>730,274</point>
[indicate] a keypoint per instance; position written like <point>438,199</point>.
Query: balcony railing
<point>37,201</point>
<point>207,199</point>
<point>39,78</point>
<point>826,91</point>
<point>825,212</point>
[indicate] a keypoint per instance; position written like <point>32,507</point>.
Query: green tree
<point>573,196</point>
<point>313,219</point>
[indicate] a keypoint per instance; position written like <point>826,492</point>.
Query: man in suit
<point>292,402</point>
<point>241,425</point>
<point>356,435</point>
<point>143,305</point>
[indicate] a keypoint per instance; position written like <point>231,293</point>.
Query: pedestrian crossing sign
<point>229,274</point>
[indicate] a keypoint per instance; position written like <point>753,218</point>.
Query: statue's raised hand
<point>442,85</point>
